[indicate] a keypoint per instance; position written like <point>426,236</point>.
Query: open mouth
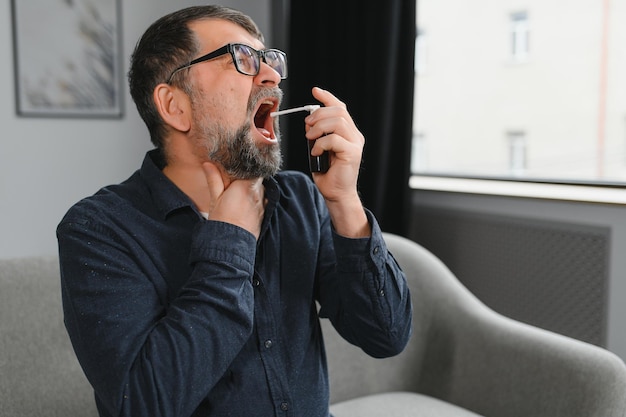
<point>262,120</point>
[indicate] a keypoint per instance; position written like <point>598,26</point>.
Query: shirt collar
<point>166,196</point>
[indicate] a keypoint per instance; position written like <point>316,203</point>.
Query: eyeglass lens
<point>277,61</point>
<point>248,62</point>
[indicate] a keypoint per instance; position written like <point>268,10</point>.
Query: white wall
<point>46,164</point>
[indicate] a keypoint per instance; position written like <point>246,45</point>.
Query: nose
<point>267,76</point>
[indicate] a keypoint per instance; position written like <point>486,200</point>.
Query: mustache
<point>262,93</point>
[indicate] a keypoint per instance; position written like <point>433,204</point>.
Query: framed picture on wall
<point>67,58</point>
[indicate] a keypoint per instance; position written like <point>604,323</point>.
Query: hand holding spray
<point>316,163</point>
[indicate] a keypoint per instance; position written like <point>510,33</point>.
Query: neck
<point>184,169</point>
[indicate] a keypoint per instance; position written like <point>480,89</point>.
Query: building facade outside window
<point>555,71</point>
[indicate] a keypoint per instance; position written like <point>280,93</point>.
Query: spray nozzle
<point>310,108</point>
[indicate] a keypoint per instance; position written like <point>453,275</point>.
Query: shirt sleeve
<point>364,293</point>
<point>144,358</point>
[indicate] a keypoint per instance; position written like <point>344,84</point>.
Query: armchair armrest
<point>495,366</point>
<point>465,354</point>
<point>500,367</point>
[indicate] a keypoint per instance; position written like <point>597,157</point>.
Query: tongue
<point>265,132</point>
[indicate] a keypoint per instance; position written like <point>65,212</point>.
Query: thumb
<point>327,98</point>
<point>213,179</point>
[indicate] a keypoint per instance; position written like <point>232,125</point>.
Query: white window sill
<point>547,191</point>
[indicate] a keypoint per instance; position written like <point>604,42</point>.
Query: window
<point>517,153</point>
<point>559,117</point>
<point>519,36</point>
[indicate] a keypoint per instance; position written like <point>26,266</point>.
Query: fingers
<point>327,124</point>
<point>336,144</point>
<point>334,129</point>
<point>214,179</point>
<point>239,202</point>
<point>327,98</point>
<point>333,118</point>
<point>243,204</point>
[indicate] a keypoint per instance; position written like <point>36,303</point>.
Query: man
<point>191,288</point>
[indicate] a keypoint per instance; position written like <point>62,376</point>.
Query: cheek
<point>226,100</point>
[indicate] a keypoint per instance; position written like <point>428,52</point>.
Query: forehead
<point>215,33</point>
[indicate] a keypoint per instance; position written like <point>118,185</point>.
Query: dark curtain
<point>363,52</point>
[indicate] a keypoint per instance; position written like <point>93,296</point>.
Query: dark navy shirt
<point>174,315</point>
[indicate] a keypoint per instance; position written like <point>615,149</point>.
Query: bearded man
<point>192,288</point>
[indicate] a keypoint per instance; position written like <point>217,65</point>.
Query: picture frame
<point>67,58</point>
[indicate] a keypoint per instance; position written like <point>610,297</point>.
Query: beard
<point>235,149</point>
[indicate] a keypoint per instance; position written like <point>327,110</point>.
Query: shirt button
<point>284,406</point>
<point>268,343</point>
<point>256,282</point>
<point>376,250</point>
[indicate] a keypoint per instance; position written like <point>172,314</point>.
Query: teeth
<point>263,110</point>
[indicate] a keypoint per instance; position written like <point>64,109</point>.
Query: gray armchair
<point>466,360</point>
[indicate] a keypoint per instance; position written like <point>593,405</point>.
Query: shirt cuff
<point>214,241</point>
<point>357,255</point>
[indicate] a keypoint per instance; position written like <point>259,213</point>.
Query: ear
<point>173,106</point>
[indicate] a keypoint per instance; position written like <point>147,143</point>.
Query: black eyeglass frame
<point>230,49</point>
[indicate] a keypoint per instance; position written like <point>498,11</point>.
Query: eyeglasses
<point>247,60</point>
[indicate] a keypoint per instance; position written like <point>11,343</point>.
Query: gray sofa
<point>39,374</point>
<point>463,359</point>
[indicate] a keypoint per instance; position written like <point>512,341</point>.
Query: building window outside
<point>520,36</point>
<point>517,153</point>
